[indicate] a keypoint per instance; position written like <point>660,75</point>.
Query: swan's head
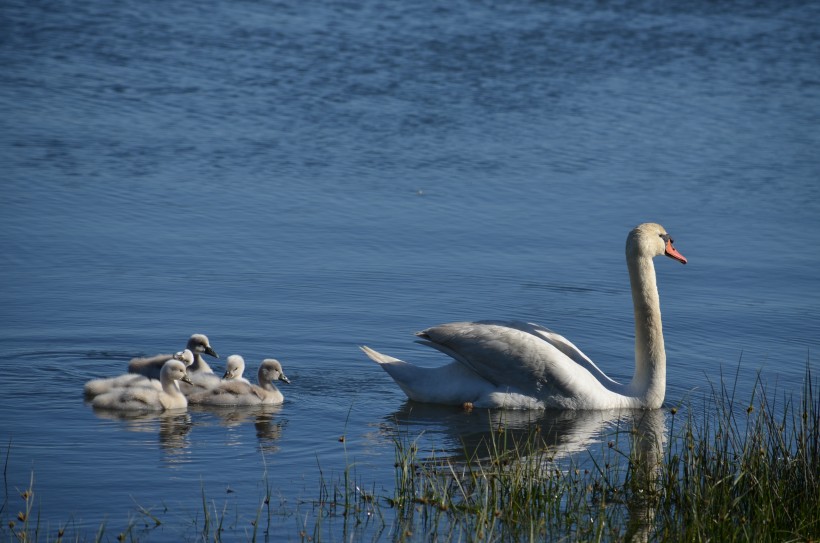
<point>270,371</point>
<point>198,343</point>
<point>174,370</point>
<point>651,239</point>
<point>234,367</point>
<point>186,357</point>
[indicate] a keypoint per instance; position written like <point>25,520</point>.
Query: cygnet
<point>148,398</point>
<point>235,392</point>
<point>151,366</point>
<point>235,366</point>
<point>95,387</point>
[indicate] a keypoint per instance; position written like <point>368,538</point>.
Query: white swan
<point>95,387</point>
<point>200,381</point>
<point>240,392</point>
<point>234,368</point>
<point>151,366</point>
<point>148,398</point>
<point>526,366</point>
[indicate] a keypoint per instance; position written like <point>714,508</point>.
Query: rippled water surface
<point>295,179</point>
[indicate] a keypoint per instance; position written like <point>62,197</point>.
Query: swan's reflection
<point>172,427</point>
<point>481,434</point>
<point>469,434</point>
<point>648,431</point>
<point>269,427</point>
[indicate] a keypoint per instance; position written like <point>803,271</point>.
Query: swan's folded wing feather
<point>149,366</point>
<point>574,353</point>
<point>259,392</point>
<point>512,354</point>
<point>132,399</point>
<point>556,340</point>
<point>231,392</point>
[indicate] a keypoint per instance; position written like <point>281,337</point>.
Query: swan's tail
<point>378,357</point>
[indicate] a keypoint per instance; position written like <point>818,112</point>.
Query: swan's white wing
<point>562,344</point>
<point>516,355</point>
<point>452,384</point>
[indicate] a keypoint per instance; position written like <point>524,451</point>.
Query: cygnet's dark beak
<point>211,352</point>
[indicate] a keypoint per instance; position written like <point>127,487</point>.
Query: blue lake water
<point>295,179</point>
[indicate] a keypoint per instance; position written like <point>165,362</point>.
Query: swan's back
<point>227,393</point>
<point>148,398</point>
<point>95,387</point>
<point>514,356</point>
<point>200,381</point>
<point>149,366</point>
<point>240,392</point>
<point>130,399</point>
<point>203,381</point>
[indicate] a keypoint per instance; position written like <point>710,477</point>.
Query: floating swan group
<point>496,364</point>
<point>173,381</point>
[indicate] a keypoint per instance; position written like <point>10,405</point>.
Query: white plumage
<point>148,398</point>
<point>526,366</point>
<point>95,387</point>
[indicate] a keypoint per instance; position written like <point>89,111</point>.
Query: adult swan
<point>521,365</point>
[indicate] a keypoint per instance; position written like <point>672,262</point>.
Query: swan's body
<point>240,392</point>
<point>525,366</point>
<point>152,365</point>
<point>95,387</point>
<point>201,381</point>
<point>149,398</point>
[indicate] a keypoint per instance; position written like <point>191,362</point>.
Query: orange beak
<point>673,253</point>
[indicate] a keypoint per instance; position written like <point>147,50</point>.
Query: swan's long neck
<point>649,381</point>
<point>171,387</point>
<point>200,364</point>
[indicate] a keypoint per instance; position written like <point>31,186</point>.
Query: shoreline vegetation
<point>742,470</point>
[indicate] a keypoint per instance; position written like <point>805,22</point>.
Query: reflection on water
<point>469,433</point>
<point>632,443</point>
<point>268,426</point>
<point>173,427</point>
<point>648,431</point>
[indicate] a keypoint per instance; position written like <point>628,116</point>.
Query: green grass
<point>729,471</point>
